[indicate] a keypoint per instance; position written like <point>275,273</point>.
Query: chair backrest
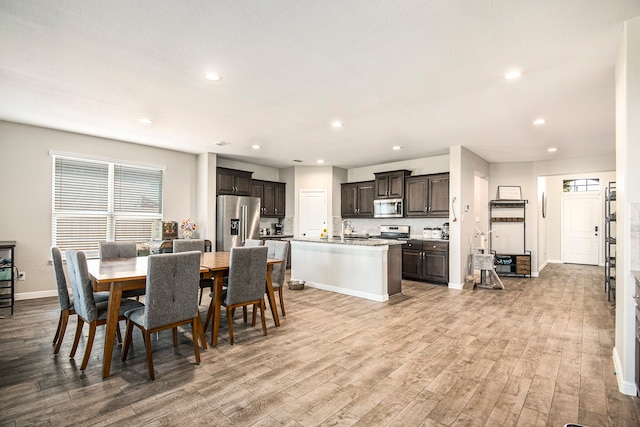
<point>278,250</point>
<point>186,245</point>
<point>109,250</point>
<point>247,275</point>
<point>83,301</point>
<point>252,243</point>
<point>172,288</point>
<point>61,281</point>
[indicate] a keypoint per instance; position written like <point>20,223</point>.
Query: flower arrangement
<point>188,227</point>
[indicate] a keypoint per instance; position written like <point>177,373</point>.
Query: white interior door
<point>313,212</point>
<point>581,229</point>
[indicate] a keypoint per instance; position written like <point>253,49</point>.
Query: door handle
<point>596,230</point>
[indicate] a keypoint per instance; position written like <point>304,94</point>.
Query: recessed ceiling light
<point>145,120</point>
<point>320,161</point>
<point>552,149</point>
<point>512,74</point>
<point>212,76</point>
<point>256,147</point>
<point>539,122</point>
<point>396,147</point>
<point>336,124</point>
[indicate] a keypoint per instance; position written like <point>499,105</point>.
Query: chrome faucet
<point>344,221</point>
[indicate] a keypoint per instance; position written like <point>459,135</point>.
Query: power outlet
<point>21,275</point>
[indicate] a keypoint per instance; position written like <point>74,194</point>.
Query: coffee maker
<point>278,229</point>
<point>445,231</point>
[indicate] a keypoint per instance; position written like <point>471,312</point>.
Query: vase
<point>186,234</point>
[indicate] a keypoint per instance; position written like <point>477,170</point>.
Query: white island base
<point>371,270</point>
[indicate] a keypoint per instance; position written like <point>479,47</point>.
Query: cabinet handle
<point>275,210</point>
<point>429,209</point>
<point>434,246</point>
<point>426,209</point>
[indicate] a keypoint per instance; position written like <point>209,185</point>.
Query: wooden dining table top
<point>133,269</point>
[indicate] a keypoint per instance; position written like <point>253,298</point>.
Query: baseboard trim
<point>455,285</point>
<point>36,295</point>
<point>625,387</point>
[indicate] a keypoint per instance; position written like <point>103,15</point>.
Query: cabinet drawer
<point>523,261</point>
<point>435,246</point>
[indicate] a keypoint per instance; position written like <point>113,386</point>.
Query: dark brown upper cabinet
<point>427,196</point>
<point>390,185</point>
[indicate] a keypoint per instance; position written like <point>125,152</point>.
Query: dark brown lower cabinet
<point>426,260</point>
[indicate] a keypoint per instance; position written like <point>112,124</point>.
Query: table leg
<point>214,307</point>
<point>115,297</point>
<point>272,298</point>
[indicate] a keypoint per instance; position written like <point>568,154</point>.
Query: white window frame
<point>110,216</point>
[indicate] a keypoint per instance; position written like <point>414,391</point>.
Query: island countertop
<point>351,242</point>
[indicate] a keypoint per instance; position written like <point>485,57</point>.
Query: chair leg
<point>147,344</point>
<point>244,313</point>
<point>230,319</point>
<point>55,337</point>
<point>62,327</point>
<point>264,323</point>
<point>127,340</point>
<point>281,300</point>
<point>175,336</point>
<point>194,326</point>
<point>200,300</point>
<point>76,340</point>
<point>118,333</point>
<point>253,317</point>
<point>203,340</point>
<point>87,350</point>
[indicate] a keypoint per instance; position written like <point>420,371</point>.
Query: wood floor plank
<point>535,353</point>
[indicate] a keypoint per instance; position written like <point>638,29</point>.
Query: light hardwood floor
<point>537,353</point>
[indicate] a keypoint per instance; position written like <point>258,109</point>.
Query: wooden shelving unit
<point>510,211</point>
<point>7,274</point>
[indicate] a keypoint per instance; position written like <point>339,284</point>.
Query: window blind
<point>96,201</point>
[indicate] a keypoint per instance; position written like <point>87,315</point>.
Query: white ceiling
<point>422,74</point>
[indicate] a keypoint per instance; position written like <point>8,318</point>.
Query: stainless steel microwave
<point>388,208</point>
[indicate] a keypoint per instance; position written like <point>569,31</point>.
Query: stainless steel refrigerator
<point>238,219</point>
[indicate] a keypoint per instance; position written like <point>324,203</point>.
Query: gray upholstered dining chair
<point>247,276</point>
<point>172,301</point>
<point>278,250</point>
<point>185,245</point>
<point>88,310</point>
<point>66,301</point>
<point>252,243</point>
<point>111,250</point>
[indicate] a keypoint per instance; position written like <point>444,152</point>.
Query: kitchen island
<point>365,268</point>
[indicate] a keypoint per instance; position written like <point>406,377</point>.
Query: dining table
<point>121,274</point>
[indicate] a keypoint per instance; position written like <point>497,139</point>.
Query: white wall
<point>26,174</point>
<point>313,178</point>
<point>553,221</point>
<point>423,166</point>
<point>265,173</point>
<point>628,194</point>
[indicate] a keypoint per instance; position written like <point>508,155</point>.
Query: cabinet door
<point>269,199</point>
<point>412,264</point>
<point>436,266</point>
<point>416,197</point>
<point>348,199</point>
<point>280,199</point>
<point>365,199</point>
<point>225,181</point>
<point>439,196</point>
<point>396,186</point>
<point>382,186</point>
<point>256,190</point>
<point>243,183</point>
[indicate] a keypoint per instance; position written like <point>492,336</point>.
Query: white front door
<point>313,212</point>
<point>581,229</point>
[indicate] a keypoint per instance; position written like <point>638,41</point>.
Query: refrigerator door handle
<point>243,224</point>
